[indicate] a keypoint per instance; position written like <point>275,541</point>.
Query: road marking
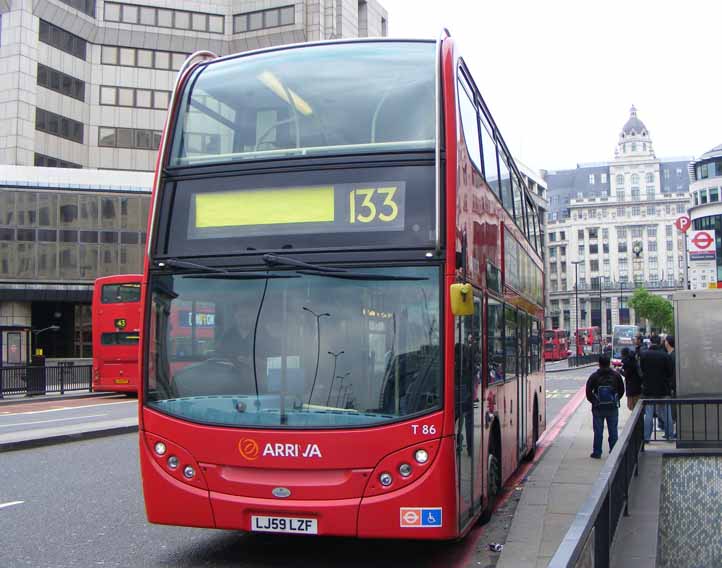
<point>10,504</point>
<point>53,420</point>
<point>70,408</point>
<point>560,393</point>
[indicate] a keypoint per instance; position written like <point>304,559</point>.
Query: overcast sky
<point>560,76</point>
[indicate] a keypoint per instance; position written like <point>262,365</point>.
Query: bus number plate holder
<point>289,525</point>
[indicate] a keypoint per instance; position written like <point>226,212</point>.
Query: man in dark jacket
<point>632,380</point>
<point>656,378</point>
<point>604,389</point>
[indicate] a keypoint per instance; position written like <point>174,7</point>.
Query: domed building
<point>706,211</point>
<point>611,229</point>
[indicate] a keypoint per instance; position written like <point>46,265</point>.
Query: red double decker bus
<point>588,340</point>
<point>352,218</point>
<point>556,344</point>
<point>116,322</point>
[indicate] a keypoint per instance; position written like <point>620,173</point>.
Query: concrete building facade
<point>706,204</point>
<point>611,230</point>
<point>91,79</point>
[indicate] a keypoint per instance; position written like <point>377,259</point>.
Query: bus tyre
<point>493,486</point>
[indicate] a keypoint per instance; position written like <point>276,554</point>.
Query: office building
<point>610,230</point>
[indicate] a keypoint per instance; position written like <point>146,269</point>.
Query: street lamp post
<point>576,264</point>
<point>333,374</point>
<point>318,345</point>
<point>340,385</point>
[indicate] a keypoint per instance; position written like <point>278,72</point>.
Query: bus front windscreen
<point>296,350</point>
<point>359,97</point>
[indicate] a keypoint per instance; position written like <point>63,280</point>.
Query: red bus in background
<point>343,297</point>
<point>191,328</point>
<point>588,340</point>
<point>116,323</point>
<point>556,344</point>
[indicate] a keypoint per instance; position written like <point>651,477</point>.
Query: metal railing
<point>588,541</point>
<point>35,380</point>
<point>579,360</point>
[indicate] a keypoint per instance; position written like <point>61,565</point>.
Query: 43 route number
<point>368,205</point>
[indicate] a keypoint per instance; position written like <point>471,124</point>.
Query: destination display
<point>337,208</point>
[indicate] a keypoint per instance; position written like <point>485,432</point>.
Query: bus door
<point>467,405</point>
<point>523,376</point>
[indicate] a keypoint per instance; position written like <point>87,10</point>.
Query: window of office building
<point>138,98</point>
<point>620,211</point>
<point>620,180</point>
<point>60,82</point>
<point>263,19</point>
<point>635,194</point>
<point>85,6</point>
<point>134,138</point>
<point>145,58</point>
<point>649,178</point>
<point>604,178</point>
<point>44,161</point>
<point>636,211</point>
<point>652,246</point>
<point>62,40</point>
<point>163,17</point>
<point>51,123</point>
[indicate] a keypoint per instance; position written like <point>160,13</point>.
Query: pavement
<point>555,490</point>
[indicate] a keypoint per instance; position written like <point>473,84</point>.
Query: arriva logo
<point>292,451</point>
<point>248,448</point>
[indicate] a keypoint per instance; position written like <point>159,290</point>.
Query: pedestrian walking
<point>632,380</point>
<point>604,390</point>
<point>669,347</point>
<point>656,379</point>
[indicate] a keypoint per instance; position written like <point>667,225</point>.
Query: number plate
<point>291,525</point>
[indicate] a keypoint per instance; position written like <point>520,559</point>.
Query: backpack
<point>606,393</point>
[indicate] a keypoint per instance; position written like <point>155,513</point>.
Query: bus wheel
<point>493,485</point>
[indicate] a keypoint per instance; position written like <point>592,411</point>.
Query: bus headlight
<point>405,470</point>
<point>172,462</point>
<point>160,448</point>
<point>421,456</point>
<point>385,479</point>
<point>189,472</point>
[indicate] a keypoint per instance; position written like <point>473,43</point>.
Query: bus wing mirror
<point>462,300</point>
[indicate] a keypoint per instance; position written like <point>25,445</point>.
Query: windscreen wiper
<point>175,263</point>
<point>362,276</point>
<point>274,259</point>
<point>219,273</point>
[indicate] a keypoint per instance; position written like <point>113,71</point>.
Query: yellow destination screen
<point>355,207</point>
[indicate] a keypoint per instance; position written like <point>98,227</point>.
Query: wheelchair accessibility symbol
<point>421,517</point>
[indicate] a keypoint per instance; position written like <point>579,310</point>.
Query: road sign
<point>702,244</point>
<point>702,249</point>
<point>683,223</point>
